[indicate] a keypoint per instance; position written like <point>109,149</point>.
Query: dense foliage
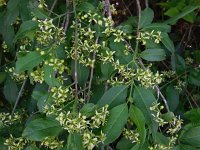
<point>92,74</point>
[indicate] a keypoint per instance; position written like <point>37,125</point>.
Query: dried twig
<point>18,97</point>
<point>147,3</point>
<point>107,8</point>
<point>53,6</point>
<point>75,49</point>
<point>67,15</point>
<point>92,71</point>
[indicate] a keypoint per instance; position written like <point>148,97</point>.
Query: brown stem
<point>67,15</point>
<point>75,49</point>
<point>92,71</point>
<point>107,8</point>
<point>53,6</point>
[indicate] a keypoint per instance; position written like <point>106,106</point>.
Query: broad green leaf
<point>41,128</point>
<point>107,69</point>
<point>12,11</point>
<point>126,28</point>
<point>138,118</point>
<point>28,62</point>
<point>193,115</point>
<point>82,73</point>
<point>157,27</point>
<point>31,147</point>
<point>172,96</point>
<point>115,124</point>
<point>143,100</point>
<point>10,90</point>
<point>186,147</point>
<point>194,77</point>
<point>185,11</point>
<point>8,34</point>
<point>124,144</point>
<point>27,26</point>
<point>113,97</point>
<point>147,16</point>
<point>153,54</point>
<point>85,7</point>
<point>88,110</point>
<point>2,77</point>
<point>74,142</point>
<point>167,42</point>
<point>191,137</point>
<point>49,76</point>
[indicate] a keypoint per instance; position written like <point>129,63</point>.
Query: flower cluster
<point>85,126</point>
<point>57,64</point>
<point>73,123</point>
<point>52,143</point>
<point>147,78</point>
<point>171,120</point>
<point>8,119</point>
<point>18,77</point>
<point>189,61</point>
<point>38,75</point>
<point>48,33</point>
<point>132,135</point>
<point>15,143</point>
<point>90,140</point>
<point>144,36</point>
<point>5,47</point>
<point>99,118</point>
<point>180,85</point>
<point>2,2</point>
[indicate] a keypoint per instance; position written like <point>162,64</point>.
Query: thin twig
<point>147,3</point>
<point>75,49</point>
<point>53,6</point>
<point>68,14</point>
<point>138,28</point>
<point>92,71</point>
<point>107,8</point>
<point>18,97</point>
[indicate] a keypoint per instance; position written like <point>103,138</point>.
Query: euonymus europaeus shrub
<point>72,78</point>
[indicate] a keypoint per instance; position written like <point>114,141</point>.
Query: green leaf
<point>41,128</point>
<point>32,147</point>
<point>12,11</point>
<point>82,73</point>
<point>85,7</point>
<point>10,90</point>
<point>74,142</point>
<point>138,118</point>
<point>88,110</point>
<point>167,42</point>
<point>146,17</point>
<point>117,119</point>
<point>191,137</point>
<point>126,28</point>
<point>185,11</point>
<point>27,26</point>
<point>193,115</point>
<point>107,69</point>
<point>157,27</point>
<point>172,96</point>
<point>143,100</point>
<point>49,76</point>
<point>2,77</point>
<point>26,62</point>
<point>153,54</point>
<point>194,77</point>
<point>124,144</point>
<point>186,147</point>
<point>114,96</point>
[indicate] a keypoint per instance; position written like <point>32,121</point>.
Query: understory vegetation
<point>99,74</point>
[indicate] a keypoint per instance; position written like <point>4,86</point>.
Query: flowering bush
<point>75,76</point>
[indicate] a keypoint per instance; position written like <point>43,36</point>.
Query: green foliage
<point>78,75</point>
